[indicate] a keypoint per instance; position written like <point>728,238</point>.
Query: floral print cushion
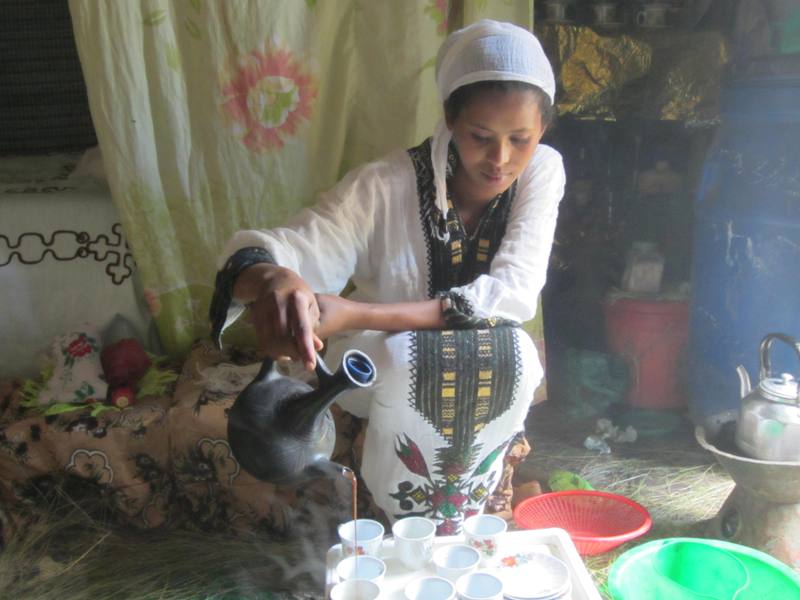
<point>77,374</point>
<point>166,462</point>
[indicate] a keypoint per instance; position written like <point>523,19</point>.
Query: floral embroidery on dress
<point>453,492</point>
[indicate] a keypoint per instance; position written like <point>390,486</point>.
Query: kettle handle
<point>766,344</point>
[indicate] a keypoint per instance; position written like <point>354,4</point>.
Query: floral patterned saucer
<point>533,575</point>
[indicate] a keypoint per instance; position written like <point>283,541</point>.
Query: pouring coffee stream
<point>281,430</point>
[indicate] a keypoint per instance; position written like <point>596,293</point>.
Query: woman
<point>447,246</point>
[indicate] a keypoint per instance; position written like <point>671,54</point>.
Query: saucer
<point>534,576</point>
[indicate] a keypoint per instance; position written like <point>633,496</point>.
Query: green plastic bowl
<point>700,569</point>
<point>686,569</point>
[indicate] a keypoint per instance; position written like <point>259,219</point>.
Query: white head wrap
<point>484,51</point>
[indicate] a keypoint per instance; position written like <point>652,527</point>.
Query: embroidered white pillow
<point>77,374</point>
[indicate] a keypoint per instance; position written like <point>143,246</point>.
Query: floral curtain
<point>215,116</point>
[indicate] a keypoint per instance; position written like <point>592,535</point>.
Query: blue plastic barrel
<point>746,257</point>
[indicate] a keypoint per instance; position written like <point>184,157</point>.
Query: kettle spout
<point>323,467</point>
<point>744,381</point>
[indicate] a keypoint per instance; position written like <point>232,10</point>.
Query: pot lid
<point>780,389</point>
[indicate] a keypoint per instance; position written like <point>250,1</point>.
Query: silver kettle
<point>769,417</point>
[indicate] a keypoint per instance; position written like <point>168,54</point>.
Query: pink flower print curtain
<point>218,116</point>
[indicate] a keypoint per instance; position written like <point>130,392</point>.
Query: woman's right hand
<point>284,312</point>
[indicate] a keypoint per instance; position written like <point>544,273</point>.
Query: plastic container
<point>596,521</point>
<point>644,267</point>
<point>689,570</point>
<point>746,256</point>
<point>694,569</point>
<point>651,337</point>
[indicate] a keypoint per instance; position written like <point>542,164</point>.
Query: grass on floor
<point>67,554</point>
<point>679,483</point>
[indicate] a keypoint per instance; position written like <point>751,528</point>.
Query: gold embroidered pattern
<point>462,258</point>
<point>457,385</point>
<point>483,250</point>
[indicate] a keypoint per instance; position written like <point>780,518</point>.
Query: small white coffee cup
<point>369,538</point>
<point>453,561</point>
<point>413,541</point>
<point>484,533</point>
<point>371,568</point>
<point>430,588</point>
<point>355,588</point>
<point>480,585</point>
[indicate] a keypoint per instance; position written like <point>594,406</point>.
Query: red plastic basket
<point>596,521</point>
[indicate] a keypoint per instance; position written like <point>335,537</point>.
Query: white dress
<point>446,403</point>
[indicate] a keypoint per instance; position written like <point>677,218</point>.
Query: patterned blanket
<point>166,462</point>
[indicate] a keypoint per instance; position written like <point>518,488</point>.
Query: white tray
<point>552,541</point>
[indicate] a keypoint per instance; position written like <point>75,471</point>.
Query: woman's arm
<point>338,314</point>
<point>327,244</point>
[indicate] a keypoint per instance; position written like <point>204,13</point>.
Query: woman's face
<point>495,133</point>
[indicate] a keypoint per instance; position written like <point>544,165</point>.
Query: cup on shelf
<point>455,560</point>
<point>555,11</point>
<point>484,533</point>
<point>413,541</point>
<point>355,588</point>
<point>430,588</point>
<point>371,568</point>
<point>368,534</point>
<point>480,585</point>
<point>653,15</point>
<point>605,13</point>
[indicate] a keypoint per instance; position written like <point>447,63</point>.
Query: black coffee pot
<point>281,430</point>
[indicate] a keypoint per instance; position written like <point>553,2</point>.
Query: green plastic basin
<point>700,569</point>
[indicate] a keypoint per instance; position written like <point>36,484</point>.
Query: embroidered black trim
<point>462,258</point>
<point>32,248</point>
<point>223,286</point>
<point>459,314</point>
<point>517,361</point>
<point>413,361</point>
<point>429,215</point>
<point>467,379</point>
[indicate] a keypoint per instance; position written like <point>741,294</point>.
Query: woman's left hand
<point>335,315</point>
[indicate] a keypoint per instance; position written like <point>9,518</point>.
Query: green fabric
<point>560,481</point>
<point>155,382</point>
<point>219,116</point>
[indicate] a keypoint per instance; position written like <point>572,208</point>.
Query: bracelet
<point>224,282</point>
<point>458,313</point>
